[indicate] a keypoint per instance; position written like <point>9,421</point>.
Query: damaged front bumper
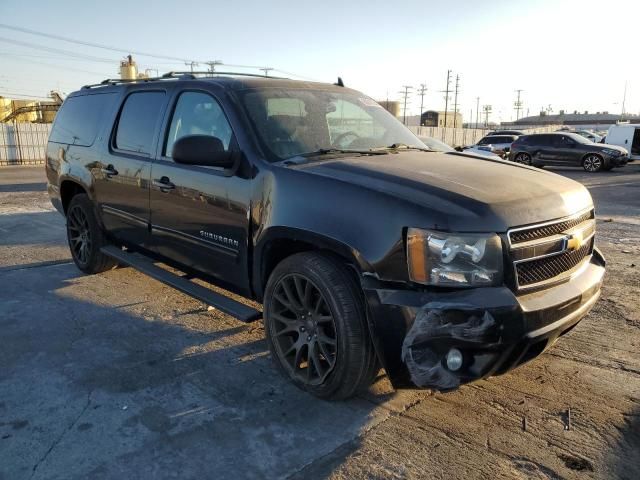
<point>494,329</point>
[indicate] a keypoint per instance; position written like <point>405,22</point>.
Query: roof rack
<point>175,75</point>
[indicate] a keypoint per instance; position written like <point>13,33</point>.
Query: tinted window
<point>496,139</point>
<point>541,140</point>
<point>137,122</point>
<point>197,114</point>
<point>79,119</point>
<point>563,141</point>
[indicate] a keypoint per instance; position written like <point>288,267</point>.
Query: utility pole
<point>517,105</point>
<point>405,93</point>
<point>191,65</point>
<point>421,92</point>
<point>455,103</point>
<point>486,109</point>
<point>446,97</point>
<point>624,100</point>
<point>477,111</point>
<point>212,65</point>
<point>266,70</point>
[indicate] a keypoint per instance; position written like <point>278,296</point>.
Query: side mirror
<point>201,150</point>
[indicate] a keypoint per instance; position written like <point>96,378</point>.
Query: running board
<point>146,265</point>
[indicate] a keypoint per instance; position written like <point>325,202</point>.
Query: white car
<point>497,143</point>
<point>594,137</point>
<point>439,146</point>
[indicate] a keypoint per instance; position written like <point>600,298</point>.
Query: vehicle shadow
<point>111,376</point>
<point>24,187</point>
<point>35,228</point>
<point>625,458</point>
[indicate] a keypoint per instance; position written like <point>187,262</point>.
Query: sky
<point>564,54</point>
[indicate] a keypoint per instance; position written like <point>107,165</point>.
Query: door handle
<point>109,171</point>
<point>164,184</point>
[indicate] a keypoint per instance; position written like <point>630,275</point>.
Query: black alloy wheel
<point>523,158</point>
<point>315,319</point>
<point>86,237</point>
<point>304,329</point>
<point>79,234</point>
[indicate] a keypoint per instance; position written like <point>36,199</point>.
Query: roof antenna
<point>339,83</point>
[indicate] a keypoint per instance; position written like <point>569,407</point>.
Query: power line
<point>92,44</point>
<point>177,60</point>
<point>62,67</point>
<point>57,50</point>
<point>23,95</point>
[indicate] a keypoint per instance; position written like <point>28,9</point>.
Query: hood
<point>613,147</point>
<point>460,192</point>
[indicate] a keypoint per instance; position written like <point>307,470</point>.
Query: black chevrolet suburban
<point>365,248</point>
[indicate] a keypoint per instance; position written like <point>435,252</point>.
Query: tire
<point>592,163</point>
<point>523,158</point>
<point>328,353</point>
<point>85,237</point>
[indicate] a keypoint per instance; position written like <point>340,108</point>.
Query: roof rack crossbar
<point>174,76</point>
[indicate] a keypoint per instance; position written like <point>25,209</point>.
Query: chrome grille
<point>536,271</point>
<point>527,234</point>
<point>550,252</point>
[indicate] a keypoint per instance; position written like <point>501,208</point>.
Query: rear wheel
<point>316,326</point>
<point>592,163</point>
<point>85,237</point>
<point>523,158</point>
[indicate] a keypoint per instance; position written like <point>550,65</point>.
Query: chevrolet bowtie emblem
<point>574,241</point>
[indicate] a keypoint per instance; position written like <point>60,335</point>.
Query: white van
<point>625,135</point>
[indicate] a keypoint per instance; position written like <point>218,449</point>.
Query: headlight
<point>613,153</point>
<point>454,260</point>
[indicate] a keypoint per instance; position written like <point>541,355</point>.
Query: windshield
<point>291,122</point>
<point>578,138</point>
<point>436,145</point>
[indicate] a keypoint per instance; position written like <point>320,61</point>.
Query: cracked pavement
<point>118,376</point>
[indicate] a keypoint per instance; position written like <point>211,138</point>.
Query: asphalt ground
<point>118,376</point>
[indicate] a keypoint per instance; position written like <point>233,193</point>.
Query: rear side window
<point>79,119</point>
<point>137,124</point>
<point>541,140</point>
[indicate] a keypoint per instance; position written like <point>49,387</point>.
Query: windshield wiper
<point>329,151</point>
<point>401,146</point>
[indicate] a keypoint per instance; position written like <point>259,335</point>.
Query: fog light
<point>454,359</point>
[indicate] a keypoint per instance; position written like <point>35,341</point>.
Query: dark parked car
<point>567,149</point>
<point>365,248</point>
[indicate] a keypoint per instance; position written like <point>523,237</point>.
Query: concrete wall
<point>23,143</point>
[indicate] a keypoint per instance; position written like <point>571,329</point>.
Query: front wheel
<point>85,237</point>
<point>316,326</point>
<point>523,158</point>
<point>592,163</point>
